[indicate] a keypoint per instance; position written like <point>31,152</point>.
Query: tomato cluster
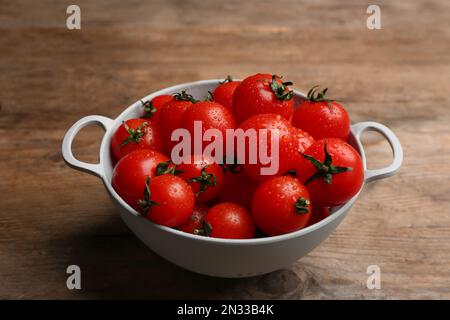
<point>317,169</point>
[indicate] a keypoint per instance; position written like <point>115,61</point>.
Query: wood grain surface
<point>52,216</point>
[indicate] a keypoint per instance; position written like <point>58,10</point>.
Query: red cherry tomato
<point>281,205</point>
<point>203,174</point>
<point>230,221</point>
<point>170,117</point>
<point>290,147</point>
<point>321,117</point>
<point>151,107</point>
<point>318,214</point>
<point>135,134</point>
<point>223,94</point>
<point>195,221</point>
<point>167,200</point>
<point>212,116</point>
<point>332,171</point>
<point>262,93</point>
<point>257,122</point>
<point>131,172</point>
<point>237,188</point>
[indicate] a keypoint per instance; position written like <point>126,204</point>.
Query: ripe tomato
<point>195,221</point>
<point>257,122</point>
<point>212,116</point>
<point>281,205</point>
<point>167,200</point>
<point>262,93</point>
<point>302,139</point>
<point>151,107</point>
<point>237,188</point>
<point>170,117</point>
<point>322,117</point>
<point>290,147</point>
<point>223,94</point>
<point>131,172</point>
<point>228,220</point>
<point>203,174</point>
<point>135,134</point>
<point>318,214</point>
<point>332,171</point>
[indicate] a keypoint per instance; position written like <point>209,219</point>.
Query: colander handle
<point>372,175</point>
<point>91,168</point>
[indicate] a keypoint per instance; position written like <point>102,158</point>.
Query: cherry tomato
<point>223,94</point>
<point>212,116</point>
<point>281,205</point>
<point>167,200</point>
<point>228,220</point>
<point>170,117</point>
<point>131,172</point>
<point>332,171</point>
<point>151,107</point>
<point>203,174</point>
<point>195,221</point>
<point>318,214</point>
<point>321,117</point>
<point>290,147</point>
<point>262,93</point>
<point>135,134</point>
<point>257,122</point>
<point>237,188</point>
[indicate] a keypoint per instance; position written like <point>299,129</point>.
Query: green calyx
<point>281,89</point>
<point>184,96</point>
<point>301,205</point>
<point>205,230</point>
<point>146,203</point>
<point>135,135</point>
<point>209,97</point>
<point>164,168</point>
<point>233,167</point>
<point>149,109</point>
<point>205,180</point>
<point>319,96</point>
<point>325,170</point>
<point>227,79</point>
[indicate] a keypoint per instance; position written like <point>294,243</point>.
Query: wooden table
<point>52,216</point>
